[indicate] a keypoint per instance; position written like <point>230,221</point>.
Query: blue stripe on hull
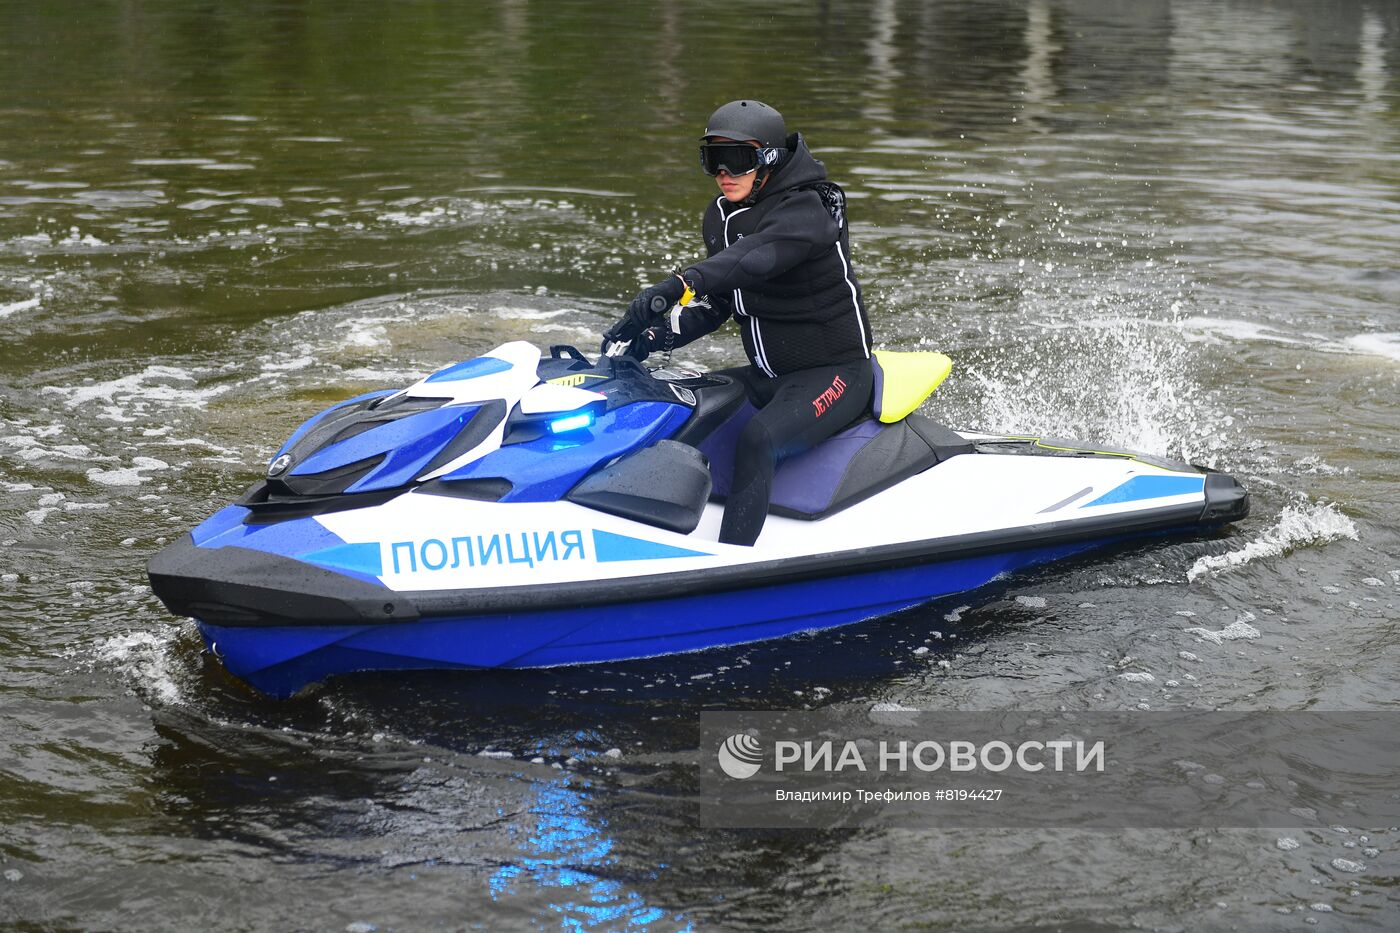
<point>282,660</point>
<point>302,538</point>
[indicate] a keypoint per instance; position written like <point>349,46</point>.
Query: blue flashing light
<point>571,422</point>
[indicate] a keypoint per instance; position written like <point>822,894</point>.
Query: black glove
<point>638,349</point>
<point>618,333</point>
<point>650,302</point>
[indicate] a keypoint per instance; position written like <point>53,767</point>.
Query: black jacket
<point>780,263</point>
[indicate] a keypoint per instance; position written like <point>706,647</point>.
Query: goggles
<point>736,158</point>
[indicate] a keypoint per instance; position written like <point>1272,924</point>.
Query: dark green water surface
<point>1171,226</point>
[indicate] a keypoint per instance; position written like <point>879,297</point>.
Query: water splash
<point>1116,381</point>
<point>147,660</point>
<point>1297,526</point>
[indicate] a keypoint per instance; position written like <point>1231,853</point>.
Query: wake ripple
<point>1297,526</point>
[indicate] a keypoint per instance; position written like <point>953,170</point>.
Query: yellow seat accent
<point>903,381</point>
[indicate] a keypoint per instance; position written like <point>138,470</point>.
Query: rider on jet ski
<point>779,262</point>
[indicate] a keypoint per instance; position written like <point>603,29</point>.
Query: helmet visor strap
<point>733,158</point>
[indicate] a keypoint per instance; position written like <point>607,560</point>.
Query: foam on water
<point>384,377</point>
<point>287,363</point>
<point>145,657</point>
<point>454,211</point>
<point>16,306</point>
<point>419,219</point>
<point>33,443</point>
<point>581,334</point>
<point>1238,629</point>
<point>26,448</point>
<point>128,398</point>
<point>1224,330</point>
<point>369,330</point>
<point>1215,328</point>
<point>1297,526</point>
<point>127,476</point>
<point>366,334</point>
<point>530,314</point>
<point>1387,345</point>
<point>193,442</point>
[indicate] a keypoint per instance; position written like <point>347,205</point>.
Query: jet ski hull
<point>280,623</point>
<point>282,659</point>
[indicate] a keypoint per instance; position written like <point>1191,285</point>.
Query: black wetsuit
<point>779,263</point>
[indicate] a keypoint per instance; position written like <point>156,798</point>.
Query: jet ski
<point>521,510</point>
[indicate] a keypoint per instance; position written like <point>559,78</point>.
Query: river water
<point>1172,226</point>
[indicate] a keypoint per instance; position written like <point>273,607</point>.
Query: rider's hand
<point>651,302</point>
<point>616,333</point>
<point>639,348</point>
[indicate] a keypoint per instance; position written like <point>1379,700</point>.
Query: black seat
<point>855,464</point>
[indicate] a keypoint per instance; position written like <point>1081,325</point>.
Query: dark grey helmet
<point>748,119</point>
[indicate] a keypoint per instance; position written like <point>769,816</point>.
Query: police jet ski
<point>516,511</point>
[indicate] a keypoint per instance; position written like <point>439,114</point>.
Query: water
<point>1168,226</point>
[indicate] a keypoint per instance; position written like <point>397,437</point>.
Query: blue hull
<point>281,660</point>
